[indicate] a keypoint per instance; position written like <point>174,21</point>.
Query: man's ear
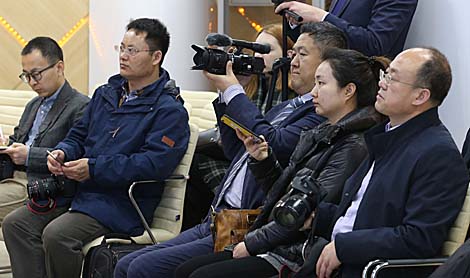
<point>157,57</point>
<point>422,96</point>
<point>61,67</point>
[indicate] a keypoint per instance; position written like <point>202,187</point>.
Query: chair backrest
<point>458,231</point>
<point>168,216</point>
<point>12,104</point>
<point>201,113</point>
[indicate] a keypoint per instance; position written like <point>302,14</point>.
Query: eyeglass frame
<point>26,76</point>
<point>387,78</point>
<point>121,49</point>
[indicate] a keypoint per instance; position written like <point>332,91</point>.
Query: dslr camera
<point>293,209</point>
<point>45,188</point>
<point>43,191</point>
<point>214,60</point>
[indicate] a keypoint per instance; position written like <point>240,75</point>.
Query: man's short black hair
<point>49,48</point>
<point>435,74</point>
<point>157,36</point>
<point>325,35</point>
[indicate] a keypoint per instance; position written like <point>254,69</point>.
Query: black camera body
<point>293,209</point>
<point>45,188</point>
<point>215,60</point>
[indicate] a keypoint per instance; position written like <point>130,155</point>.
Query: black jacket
<point>415,192</point>
<point>348,152</point>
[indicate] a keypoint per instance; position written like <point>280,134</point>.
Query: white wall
<point>187,23</point>
<point>444,25</point>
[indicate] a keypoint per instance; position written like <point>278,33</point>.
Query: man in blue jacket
<point>401,201</point>
<point>135,128</point>
<point>281,127</point>
<point>373,27</point>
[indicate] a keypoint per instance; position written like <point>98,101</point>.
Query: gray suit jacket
<point>67,109</point>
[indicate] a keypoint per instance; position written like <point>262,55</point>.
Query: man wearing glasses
<point>134,128</point>
<point>402,201</point>
<point>45,121</point>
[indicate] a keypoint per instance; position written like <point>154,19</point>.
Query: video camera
<point>215,60</point>
<point>293,209</point>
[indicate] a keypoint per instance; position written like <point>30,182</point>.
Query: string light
<point>252,23</point>
<point>82,22</point>
<point>12,32</point>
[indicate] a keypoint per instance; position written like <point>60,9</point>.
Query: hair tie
<point>371,60</point>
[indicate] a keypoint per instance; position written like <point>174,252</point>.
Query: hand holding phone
<point>54,157</point>
<point>243,129</point>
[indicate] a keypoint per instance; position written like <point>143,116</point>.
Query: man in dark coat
<point>373,27</point>
<point>281,127</point>
<point>45,121</point>
<point>401,201</point>
<point>135,128</point>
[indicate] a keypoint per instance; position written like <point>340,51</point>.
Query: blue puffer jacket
<point>143,139</point>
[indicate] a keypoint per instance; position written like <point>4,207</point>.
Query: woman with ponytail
<point>346,85</point>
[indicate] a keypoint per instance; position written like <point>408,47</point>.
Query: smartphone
<point>243,129</point>
<point>55,158</point>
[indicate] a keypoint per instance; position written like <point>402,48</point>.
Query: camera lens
<point>286,217</point>
<point>292,213</point>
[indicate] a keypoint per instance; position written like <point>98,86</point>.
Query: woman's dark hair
<point>351,66</point>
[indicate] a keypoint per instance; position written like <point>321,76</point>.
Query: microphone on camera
<point>224,40</point>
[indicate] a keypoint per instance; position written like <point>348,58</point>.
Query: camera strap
<point>316,170</point>
<point>41,209</point>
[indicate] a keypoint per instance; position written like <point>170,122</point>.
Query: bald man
<point>403,199</point>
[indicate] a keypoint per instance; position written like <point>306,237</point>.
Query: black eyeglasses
<point>35,75</point>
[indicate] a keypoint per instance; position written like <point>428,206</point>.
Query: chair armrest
<point>137,208</point>
<point>374,268</point>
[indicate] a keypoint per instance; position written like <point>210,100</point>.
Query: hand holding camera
<point>222,82</point>
<point>304,12</point>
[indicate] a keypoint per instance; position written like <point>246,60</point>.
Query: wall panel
<point>53,18</point>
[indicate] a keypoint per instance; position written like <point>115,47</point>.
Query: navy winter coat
<point>143,139</point>
<point>416,190</point>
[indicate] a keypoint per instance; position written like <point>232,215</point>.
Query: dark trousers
<point>223,265</point>
<point>162,259</point>
<point>48,245</point>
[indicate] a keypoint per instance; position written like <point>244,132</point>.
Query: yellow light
<point>253,24</point>
<point>211,9</point>
<point>12,31</point>
<point>73,30</point>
